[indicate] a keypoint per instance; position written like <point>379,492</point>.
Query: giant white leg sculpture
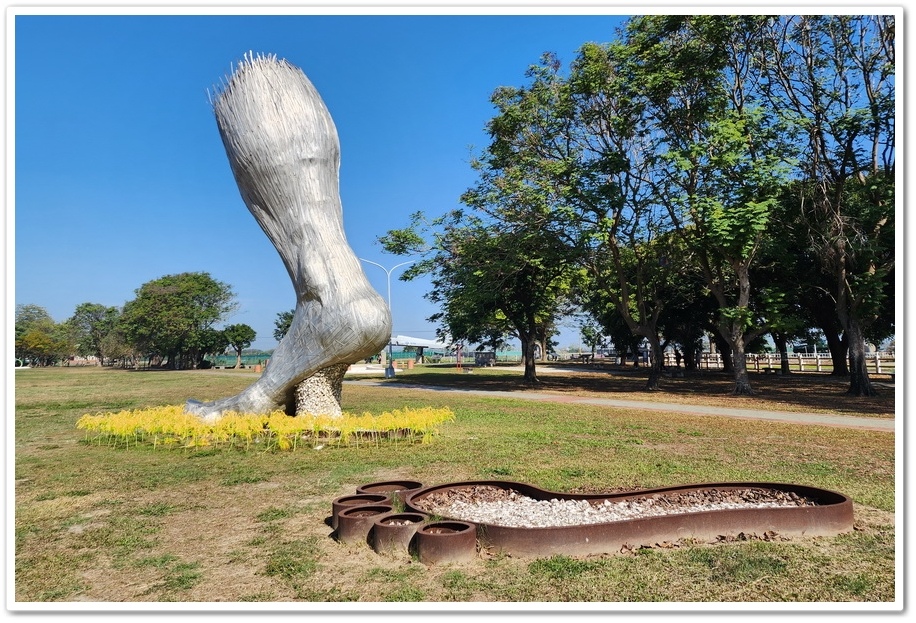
<point>285,154</point>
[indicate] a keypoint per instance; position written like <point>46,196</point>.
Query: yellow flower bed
<point>170,426</point>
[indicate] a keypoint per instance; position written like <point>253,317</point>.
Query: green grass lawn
<point>105,524</point>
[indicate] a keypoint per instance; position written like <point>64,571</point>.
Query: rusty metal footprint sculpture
<point>814,512</point>
<point>449,522</point>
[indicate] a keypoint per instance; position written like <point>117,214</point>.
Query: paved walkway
<point>820,419</point>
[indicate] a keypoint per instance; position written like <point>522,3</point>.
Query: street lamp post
<point>389,370</point>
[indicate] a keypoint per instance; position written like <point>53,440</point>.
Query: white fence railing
<point>878,363</point>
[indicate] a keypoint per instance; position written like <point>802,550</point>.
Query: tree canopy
<point>91,323</point>
<point>39,340</point>
<point>170,316</point>
<point>239,337</point>
<point>730,154</point>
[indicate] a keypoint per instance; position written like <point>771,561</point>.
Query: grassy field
<point>103,524</point>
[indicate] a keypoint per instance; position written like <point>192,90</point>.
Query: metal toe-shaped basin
<point>822,513</point>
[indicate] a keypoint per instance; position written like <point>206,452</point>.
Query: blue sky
<point>121,177</point>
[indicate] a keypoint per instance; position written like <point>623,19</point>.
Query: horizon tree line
<point>171,323</point>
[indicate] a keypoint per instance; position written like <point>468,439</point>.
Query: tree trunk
<point>238,359</point>
<point>725,351</point>
<point>655,367</point>
<point>690,359</point>
<point>621,355</point>
<point>739,364</point>
<point>782,347</point>
<point>528,343</point>
<point>859,383</point>
<point>825,315</point>
<point>839,348</point>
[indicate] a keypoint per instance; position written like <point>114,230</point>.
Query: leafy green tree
<point>584,143</point>
<point>618,331</point>
<point>631,251</point>
<point>282,323</point>
<point>40,347</point>
<point>169,315</point>
<point>39,340</point>
<point>833,77</point>
<point>206,343</point>
<point>792,285</point>
<point>239,337</point>
<point>526,218</point>
<point>623,166</point>
<point>591,335</point>
<point>725,160</point>
<point>29,316</point>
<point>689,311</point>
<point>500,267</point>
<point>114,348</point>
<point>557,154</point>
<point>91,323</point>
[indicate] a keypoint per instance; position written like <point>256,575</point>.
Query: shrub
<point>170,427</point>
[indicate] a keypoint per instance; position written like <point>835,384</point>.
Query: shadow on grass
<point>818,392</point>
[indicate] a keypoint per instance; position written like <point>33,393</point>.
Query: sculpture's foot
<point>207,411</point>
<point>318,338</point>
<point>211,412</point>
